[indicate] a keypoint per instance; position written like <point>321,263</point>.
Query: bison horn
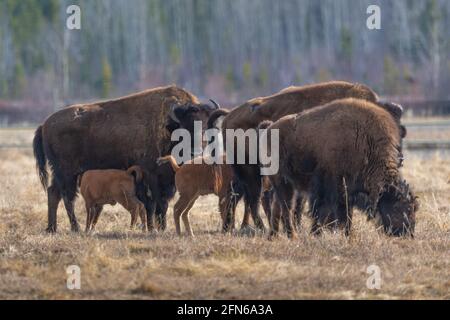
<point>172,114</point>
<point>216,105</point>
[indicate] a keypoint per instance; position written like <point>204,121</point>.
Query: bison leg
<point>161,211</point>
<point>246,220</point>
<point>69,199</point>
<point>253,197</point>
<point>69,204</point>
<point>89,217</point>
<point>227,208</point>
<point>285,192</point>
<point>275,219</point>
<point>69,192</point>
<point>323,200</point>
<point>254,201</point>
<point>266,202</point>
<point>181,208</point>
<point>178,209</point>
<point>185,216</point>
<point>142,215</point>
<point>54,197</point>
<point>250,178</point>
<point>233,196</point>
<point>299,206</point>
<point>133,205</point>
<point>97,211</point>
<point>150,207</point>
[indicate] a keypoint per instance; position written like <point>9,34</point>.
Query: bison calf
<point>194,180</point>
<point>100,187</point>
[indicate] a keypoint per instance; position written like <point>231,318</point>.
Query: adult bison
<point>111,134</point>
<point>336,152</point>
<point>288,101</point>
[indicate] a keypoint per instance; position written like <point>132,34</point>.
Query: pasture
<point>117,263</point>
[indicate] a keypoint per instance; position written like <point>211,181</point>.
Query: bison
<point>336,152</point>
<point>111,186</point>
<point>113,134</point>
<point>288,101</point>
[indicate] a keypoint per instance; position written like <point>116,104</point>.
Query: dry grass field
<point>120,264</point>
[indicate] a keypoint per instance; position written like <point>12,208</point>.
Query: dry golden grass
<point>117,263</point>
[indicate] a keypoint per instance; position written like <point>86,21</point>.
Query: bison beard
<point>113,134</point>
<point>336,152</point>
<point>288,101</point>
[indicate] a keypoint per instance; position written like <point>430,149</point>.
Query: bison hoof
<point>292,236</point>
<point>272,236</point>
<point>75,228</point>
<point>161,227</point>
<point>51,229</point>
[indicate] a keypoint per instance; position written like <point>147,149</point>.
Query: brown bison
<point>336,152</point>
<point>288,101</point>
<point>113,134</point>
<point>112,186</point>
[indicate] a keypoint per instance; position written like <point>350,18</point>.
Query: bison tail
<point>218,178</point>
<point>136,172</point>
<point>215,116</point>
<point>39,155</point>
<point>171,160</point>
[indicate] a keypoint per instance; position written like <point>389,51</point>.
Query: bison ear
<point>176,113</point>
<point>395,109</point>
<point>403,131</point>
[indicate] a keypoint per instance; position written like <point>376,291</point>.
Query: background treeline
<point>227,49</point>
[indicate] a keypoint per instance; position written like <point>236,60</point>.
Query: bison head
<point>183,116</point>
<point>397,208</point>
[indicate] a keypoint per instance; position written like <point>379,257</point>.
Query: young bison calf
<point>194,180</point>
<point>100,187</point>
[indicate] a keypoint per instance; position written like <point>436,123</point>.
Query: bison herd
<point>340,148</point>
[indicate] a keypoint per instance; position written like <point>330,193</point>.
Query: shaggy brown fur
<point>108,134</point>
<point>288,101</point>
<point>293,100</point>
<point>100,187</point>
<point>336,151</point>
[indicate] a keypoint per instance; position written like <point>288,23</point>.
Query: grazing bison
<point>113,134</point>
<point>111,186</point>
<point>288,101</point>
<point>336,152</point>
